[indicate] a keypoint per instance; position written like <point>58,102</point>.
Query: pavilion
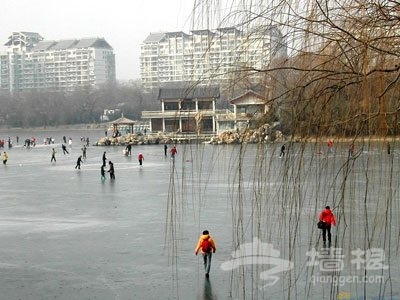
<point>122,122</point>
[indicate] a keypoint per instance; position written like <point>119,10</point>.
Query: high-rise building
<point>30,62</point>
<point>218,56</point>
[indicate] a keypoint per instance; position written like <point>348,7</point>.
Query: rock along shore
<point>226,137</point>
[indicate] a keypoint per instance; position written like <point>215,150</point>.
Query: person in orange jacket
<point>328,218</point>
<point>207,247</point>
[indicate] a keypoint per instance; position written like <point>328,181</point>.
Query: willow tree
<point>340,79</point>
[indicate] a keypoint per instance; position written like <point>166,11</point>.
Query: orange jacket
<point>203,237</point>
<point>327,217</point>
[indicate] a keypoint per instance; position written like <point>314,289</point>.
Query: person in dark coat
<point>102,173</point>
<point>129,149</point>
<point>111,170</point>
<point>64,148</point>
<point>104,158</point>
<point>165,149</point>
<point>78,163</point>
<point>282,153</point>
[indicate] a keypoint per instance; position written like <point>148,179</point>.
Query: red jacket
<point>173,151</point>
<point>327,217</point>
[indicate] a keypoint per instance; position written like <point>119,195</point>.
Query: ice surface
<point>66,234</point>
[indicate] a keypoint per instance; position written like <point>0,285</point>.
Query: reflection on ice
<point>34,225</point>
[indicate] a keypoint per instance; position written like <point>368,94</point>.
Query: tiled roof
<point>203,31</point>
<point>176,33</point>
<point>248,94</point>
<point>64,44</point>
<point>68,44</point>
<point>187,91</point>
<point>43,45</point>
<point>154,37</point>
<point>85,43</point>
<point>123,121</point>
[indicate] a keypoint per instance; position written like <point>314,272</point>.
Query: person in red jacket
<point>328,218</point>
<point>173,152</point>
<point>207,246</point>
<point>140,158</point>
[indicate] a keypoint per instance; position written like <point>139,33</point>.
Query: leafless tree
<point>340,79</point>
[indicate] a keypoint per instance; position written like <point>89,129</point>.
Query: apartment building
<point>205,56</point>
<point>30,62</point>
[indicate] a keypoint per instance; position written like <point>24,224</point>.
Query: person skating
<point>140,158</point>
<point>53,155</point>
<point>128,149</point>
<point>330,146</point>
<point>165,149</point>
<point>5,157</point>
<point>328,218</point>
<point>173,152</point>
<point>64,148</point>
<point>104,158</point>
<point>102,173</point>
<point>84,151</point>
<point>207,247</point>
<point>78,163</point>
<point>111,170</point>
<point>282,154</point>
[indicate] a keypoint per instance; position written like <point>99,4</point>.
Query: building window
<point>188,105</point>
<point>205,105</point>
<point>171,106</point>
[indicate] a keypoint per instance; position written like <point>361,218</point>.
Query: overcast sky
<point>123,23</point>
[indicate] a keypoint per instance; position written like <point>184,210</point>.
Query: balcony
<point>176,114</point>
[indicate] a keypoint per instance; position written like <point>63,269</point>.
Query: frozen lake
<point>66,234</point>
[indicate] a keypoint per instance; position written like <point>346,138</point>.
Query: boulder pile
<point>227,137</point>
<point>149,139</point>
<point>247,136</point>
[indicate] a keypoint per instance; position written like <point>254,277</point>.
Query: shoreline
<point>324,139</point>
<point>188,138</point>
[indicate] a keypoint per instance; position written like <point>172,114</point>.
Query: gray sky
<point>123,23</point>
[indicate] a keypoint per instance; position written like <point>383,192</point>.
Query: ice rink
<point>66,234</point>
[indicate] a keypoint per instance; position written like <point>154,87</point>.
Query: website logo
<point>258,253</point>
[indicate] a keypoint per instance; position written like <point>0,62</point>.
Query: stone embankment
<point>246,136</point>
<point>152,139</point>
<point>226,137</point>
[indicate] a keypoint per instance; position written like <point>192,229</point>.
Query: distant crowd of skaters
<point>127,151</point>
<point>31,142</point>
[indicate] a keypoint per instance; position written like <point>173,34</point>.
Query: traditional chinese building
<point>185,108</point>
<point>248,108</point>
